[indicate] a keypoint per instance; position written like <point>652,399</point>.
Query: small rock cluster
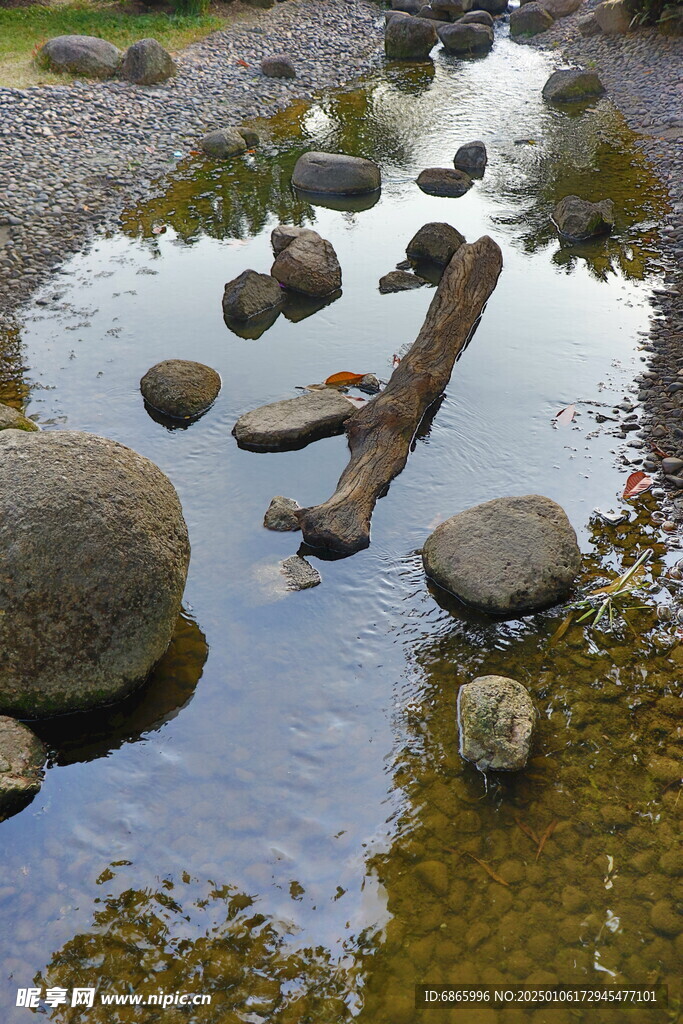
<point>144,63</point>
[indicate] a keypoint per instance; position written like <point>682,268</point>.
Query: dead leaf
<point>565,416</point>
<point>528,831</point>
<point>243,63</point>
<point>489,871</point>
<point>355,399</point>
<point>562,629</point>
<point>545,837</point>
<point>637,483</point>
<point>343,378</point>
<point>659,451</point>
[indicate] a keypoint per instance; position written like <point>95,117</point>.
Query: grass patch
<point>23,30</point>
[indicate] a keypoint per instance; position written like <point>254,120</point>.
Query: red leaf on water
<point>345,377</point>
<point>565,416</point>
<point>637,483</point>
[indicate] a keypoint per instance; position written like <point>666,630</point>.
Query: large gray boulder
<point>223,143</point>
<point>82,55</point>
<point>435,241</point>
<point>442,181</point>
<point>147,62</point>
<point>614,17</point>
<point>465,37</point>
<point>406,6</point>
<point>577,219</point>
<point>180,388</point>
<point>472,159</point>
<point>573,85</point>
<point>336,174</point>
<point>409,38</point>
<point>496,719</point>
<point>12,419</point>
<point>293,422</point>
<point>22,760</point>
<point>95,557</point>
<point>308,265</point>
<point>560,8</point>
<point>530,20</point>
<point>250,294</point>
<point>508,556</point>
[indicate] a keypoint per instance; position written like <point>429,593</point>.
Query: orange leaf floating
<point>637,483</point>
<point>344,377</point>
<point>565,416</point>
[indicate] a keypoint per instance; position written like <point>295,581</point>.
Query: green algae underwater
<point>281,817</point>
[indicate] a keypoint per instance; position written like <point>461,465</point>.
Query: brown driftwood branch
<point>380,433</point>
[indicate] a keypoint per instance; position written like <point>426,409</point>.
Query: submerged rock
<point>435,241</point>
<point>22,757</point>
<point>223,143</point>
<point>95,556</point>
<point>466,37</point>
<point>279,65</point>
<point>399,281</point>
<point>336,174</point>
<point>508,556</point>
<point>294,422</point>
<point>180,388</point>
<point>496,719</point>
<point>82,55</point>
<point>409,38</point>
<point>573,85</point>
<point>250,295</point>
<point>530,20</point>
<point>577,218</point>
<point>146,62</point>
<point>308,265</point>
<point>12,419</point>
<point>280,514</point>
<point>442,181</point>
<point>301,575</point>
<point>472,159</point>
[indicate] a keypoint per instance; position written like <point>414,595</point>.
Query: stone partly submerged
<point>435,241</point>
<point>300,574</point>
<point>251,295</point>
<point>442,181</point>
<point>95,557</point>
<point>223,143</point>
<point>146,62</point>
<point>468,37</point>
<point>336,174</point>
<point>82,55</point>
<point>409,38</point>
<point>281,514</point>
<point>308,265</point>
<point>572,86</point>
<point>283,234</point>
<point>496,719</point>
<point>530,20</point>
<point>22,760</point>
<point>506,557</point>
<point>399,281</point>
<point>578,219</point>
<point>472,159</point>
<point>12,419</point>
<point>293,422</point>
<point>180,388</point>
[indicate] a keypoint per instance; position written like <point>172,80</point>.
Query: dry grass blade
<point>564,626</point>
<point>489,871</point>
<point>545,837</point>
<point>528,831</point>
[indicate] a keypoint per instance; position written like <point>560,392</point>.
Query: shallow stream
<point>281,817</point>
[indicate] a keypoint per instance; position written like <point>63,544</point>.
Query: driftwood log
<point>380,433</point>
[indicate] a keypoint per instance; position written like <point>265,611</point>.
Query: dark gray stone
<point>465,37</point>
<point>491,6</point>
<point>530,20</point>
<point>577,218</point>
<point>442,181</point>
<point>146,62</point>
<point>279,65</point>
<point>95,556</point>
<point>283,234</point>
<point>301,575</point>
<point>589,26</point>
<point>82,55</point>
<point>496,719</point>
<point>251,294</point>
<point>508,556</point>
<point>572,86</point>
<point>223,143</point>
<point>435,241</point>
<point>477,18</point>
<point>399,281</point>
<point>472,159</point>
<point>308,265</point>
<point>336,174</point>
<point>280,514</point>
<point>180,388</point>
<point>251,138</point>
<point>409,38</point>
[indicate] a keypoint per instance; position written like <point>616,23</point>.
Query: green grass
<point>23,30</point>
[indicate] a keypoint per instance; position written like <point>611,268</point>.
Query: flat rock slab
<point>506,557</point>
<point>336,174</point>
<point>399,281</point>
<point>496,719</point>
<point>12,419</point>
<point>572,86</point>
<point>180,388</point>
<point>294,422</point>
<point>442,181</point>
<point>22,757</point>
<point>301,575</point>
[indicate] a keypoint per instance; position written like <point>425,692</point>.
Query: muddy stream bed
<point>281,817</point>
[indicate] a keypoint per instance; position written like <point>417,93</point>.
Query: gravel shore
<point>72,155</point>
<point>642,72</point>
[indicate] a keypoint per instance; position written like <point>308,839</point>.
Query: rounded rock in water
<point>180,388</point>
<point>95,557</point>
<point>496,719</point>
<point>22,756</point>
